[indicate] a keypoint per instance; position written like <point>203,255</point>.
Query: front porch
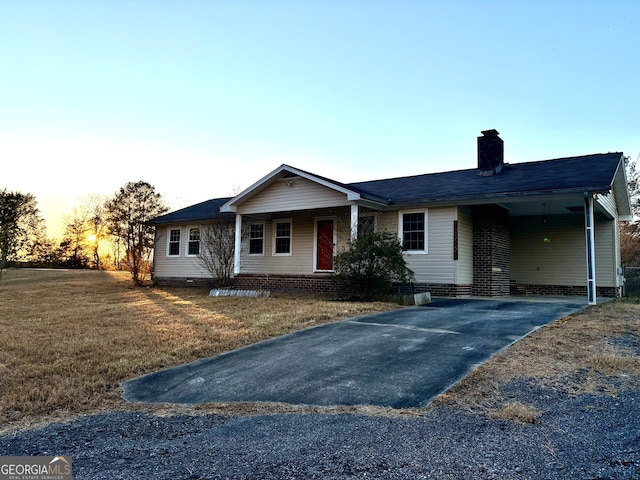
<point>509,250</point>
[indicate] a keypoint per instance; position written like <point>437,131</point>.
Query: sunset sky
<point>203,98</point>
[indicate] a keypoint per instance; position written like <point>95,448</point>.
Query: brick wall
<point>490,251</point>
<point>576,290</point>
<point>436,289</point>
<point>316,285</point>
<point>183,282</point>
<point>329,286</point>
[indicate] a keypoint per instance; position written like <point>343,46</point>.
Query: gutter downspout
<point>590,243</point>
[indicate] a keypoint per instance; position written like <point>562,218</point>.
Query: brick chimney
<point>490,153</point>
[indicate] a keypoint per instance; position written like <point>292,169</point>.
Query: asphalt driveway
<point>398,359</point>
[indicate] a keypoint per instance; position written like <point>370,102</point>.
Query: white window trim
<point>169,229</point>
<point>275,231</point>
<point>315,241</point>
<point>401,213</point>
<point>264,233</point>
<point>186,250</point>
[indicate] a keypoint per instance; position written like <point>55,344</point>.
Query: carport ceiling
<point>525,207</point>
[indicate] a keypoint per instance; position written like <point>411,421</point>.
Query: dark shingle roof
<point>591,173</point>
<point>208,210</point>
<point>563,175</point>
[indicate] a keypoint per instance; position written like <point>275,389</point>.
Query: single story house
<point>547,227</point>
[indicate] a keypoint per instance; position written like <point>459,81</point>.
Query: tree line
<point>116,225</point>
<point>630,231</point>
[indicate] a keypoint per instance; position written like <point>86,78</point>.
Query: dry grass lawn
<point>69,338</point>
<point>594,351</point>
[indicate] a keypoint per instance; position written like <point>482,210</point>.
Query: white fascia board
<point>228,208</point>
<point>231,205</point>
<point>620,190</point>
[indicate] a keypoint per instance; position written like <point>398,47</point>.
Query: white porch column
<point>354,221</point>
<point>236,253</point>
<point>591,254</point>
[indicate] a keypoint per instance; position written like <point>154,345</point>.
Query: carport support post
<point>238,245</point>
<point>591,256</point>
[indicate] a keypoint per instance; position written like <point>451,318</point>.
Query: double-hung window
<point>174,242</point>
<point>194,242</point>
<point>256,239</point>
<point>413,230</point>
<point>282,237</point>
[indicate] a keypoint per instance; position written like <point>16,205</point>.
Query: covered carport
<point>566,244</point>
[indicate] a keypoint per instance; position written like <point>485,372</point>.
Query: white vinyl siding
<point>387,222</point>
<point>291,194</point>
<point>464,264</point>
<point>607,201</point>
<point>609,204</point>
<point>438,265</point>
<point>178,266</point>
<point>606,261</point>
<point>554,253</point>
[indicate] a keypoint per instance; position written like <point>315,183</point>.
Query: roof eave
<point>185,221</point>
<point>501,196</point>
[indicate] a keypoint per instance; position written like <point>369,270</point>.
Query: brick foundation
<point>315,285</point>
<point>183,282</point>
<point>328,286</point>
<point>436,289</point>
<point>490,251</point>
<point>561,290</point>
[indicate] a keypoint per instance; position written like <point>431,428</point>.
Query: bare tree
<point>217,250</point>
<point>75,237</point>
<point>128,213</point>
<point>96,217</point>
<point>629,244</point>
<point>630,231</point>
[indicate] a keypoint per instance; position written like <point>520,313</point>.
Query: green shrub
<point>373,262</point>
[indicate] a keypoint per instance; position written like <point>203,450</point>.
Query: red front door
<point>324,253</point>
